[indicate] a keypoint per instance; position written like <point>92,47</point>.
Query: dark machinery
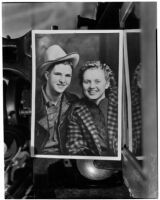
<point>16,111</point>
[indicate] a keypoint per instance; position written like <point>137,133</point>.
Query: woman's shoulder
<point>113,96</point>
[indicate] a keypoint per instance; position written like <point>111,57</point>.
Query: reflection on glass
<point>136,111</point>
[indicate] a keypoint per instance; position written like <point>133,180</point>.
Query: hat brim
<point>72,57</point>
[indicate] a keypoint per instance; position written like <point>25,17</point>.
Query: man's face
<point>59,78</point>
<point>94,84</point>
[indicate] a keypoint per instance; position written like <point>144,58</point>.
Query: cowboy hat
<point>55,54</point>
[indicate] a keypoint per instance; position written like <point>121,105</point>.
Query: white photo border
<point>120,78</point>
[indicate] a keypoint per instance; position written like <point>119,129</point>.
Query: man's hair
<point>43,78</point>
<point>109,76</point>
<point>63,62</point>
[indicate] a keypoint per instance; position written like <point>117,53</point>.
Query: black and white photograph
<point>77,93</point>
<point>79,100</point>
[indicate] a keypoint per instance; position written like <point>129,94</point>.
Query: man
<point>53,102</point>
<point>93,121</point>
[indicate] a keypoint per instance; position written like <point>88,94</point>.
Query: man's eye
<point>57,74</point>
<point>69,75</point>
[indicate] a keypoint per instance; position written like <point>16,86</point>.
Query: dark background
<point>134,54</point>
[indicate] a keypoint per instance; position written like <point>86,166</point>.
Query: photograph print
<point>76,94</point>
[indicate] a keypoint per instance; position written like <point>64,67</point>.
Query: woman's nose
<point>92,85</point>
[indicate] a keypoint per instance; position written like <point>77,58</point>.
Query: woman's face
<point>94,84</point>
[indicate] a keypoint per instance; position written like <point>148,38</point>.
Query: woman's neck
<point>97,101</point>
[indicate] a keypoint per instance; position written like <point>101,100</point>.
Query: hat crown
<point>54,52</point>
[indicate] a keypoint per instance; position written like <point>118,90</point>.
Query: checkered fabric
<point>136,121</point>
<point>82,133</point>
<point>112,118</point>
<point>136,112</point>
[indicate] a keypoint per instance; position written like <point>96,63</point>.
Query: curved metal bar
<point>134,162</point>
<point>10,73</point>
<point>90,171</point>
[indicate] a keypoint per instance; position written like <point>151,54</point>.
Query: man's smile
<point>61,85</point>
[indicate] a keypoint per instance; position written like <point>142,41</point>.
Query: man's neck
<point>52,95</point>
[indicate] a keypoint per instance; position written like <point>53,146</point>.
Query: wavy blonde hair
<point>109,75</point>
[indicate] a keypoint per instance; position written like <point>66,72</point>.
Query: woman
<point>93,121</point>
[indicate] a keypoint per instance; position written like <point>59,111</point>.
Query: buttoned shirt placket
<point>53,112</point>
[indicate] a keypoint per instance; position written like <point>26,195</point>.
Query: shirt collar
<point>103,102</point>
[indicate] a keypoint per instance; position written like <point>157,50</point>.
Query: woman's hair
<point>109,76</point>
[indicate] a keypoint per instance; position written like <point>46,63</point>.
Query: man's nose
<point>62,79</point>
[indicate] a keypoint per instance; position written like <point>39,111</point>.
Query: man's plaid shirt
<point>82,133</point>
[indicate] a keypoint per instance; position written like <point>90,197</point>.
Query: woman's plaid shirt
<point>82,133</point>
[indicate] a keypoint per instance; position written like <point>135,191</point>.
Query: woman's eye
<point>86,82</point>
<point>97,81</point>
